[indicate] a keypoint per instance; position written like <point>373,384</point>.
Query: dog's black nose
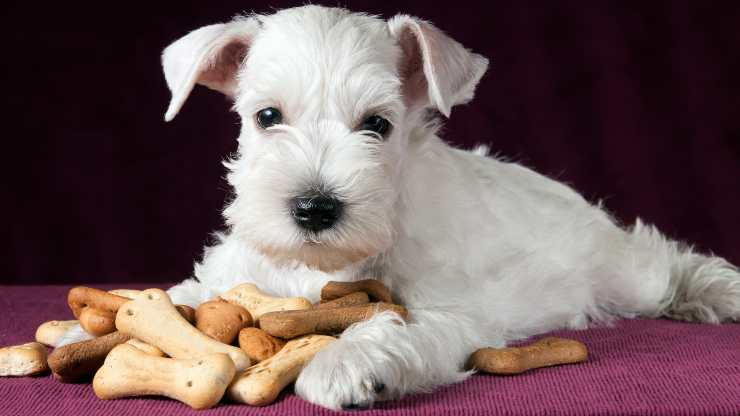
<point>316,213</point>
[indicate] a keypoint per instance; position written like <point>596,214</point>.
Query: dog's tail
<point>695,287</point>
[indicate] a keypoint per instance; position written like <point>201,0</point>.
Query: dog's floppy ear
<point>209,56</point>
<point>436,70</point>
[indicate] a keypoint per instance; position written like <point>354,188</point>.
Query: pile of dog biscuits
<point>244,345</point>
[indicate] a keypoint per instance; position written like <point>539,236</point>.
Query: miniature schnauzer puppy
<point>340,175</point>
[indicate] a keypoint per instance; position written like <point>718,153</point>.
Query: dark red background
<point>634,102</point>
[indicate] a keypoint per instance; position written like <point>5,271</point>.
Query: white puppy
<point>340,176</point>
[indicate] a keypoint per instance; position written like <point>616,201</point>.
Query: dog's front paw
<point>343,376</point>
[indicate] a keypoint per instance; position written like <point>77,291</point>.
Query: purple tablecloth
<point>646,367</point>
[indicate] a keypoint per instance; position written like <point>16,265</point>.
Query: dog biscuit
<point>261,384</point>
<point>23,360</point>
<point>49,333</point>
<point>248,296</point>
<point>543,353</point>
<point>290,324</point>
<point>377,291</point>
<point>198,382</point>
<point>221,320</point>
<point>258,344</point>
<point>152,318</point>
<point>354,298</point>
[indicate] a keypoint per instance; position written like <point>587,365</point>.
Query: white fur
<point>481,251</point>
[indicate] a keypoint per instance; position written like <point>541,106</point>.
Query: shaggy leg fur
<point>383,358</point>
<point>191,292</point>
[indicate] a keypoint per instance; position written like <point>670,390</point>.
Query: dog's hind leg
<point>660,277</point>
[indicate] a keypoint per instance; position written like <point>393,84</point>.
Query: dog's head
<point>329,101</point>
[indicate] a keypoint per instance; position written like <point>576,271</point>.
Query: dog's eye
<point>268,117</point>
<point>376,124</point>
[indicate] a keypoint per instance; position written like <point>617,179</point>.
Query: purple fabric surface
<point>645,367</point>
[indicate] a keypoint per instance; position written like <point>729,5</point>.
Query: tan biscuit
<point>261,384</point>
<point>50,332</point>
<point>143,346</point>
<point>97,322</point>
<point>23,360</point>
<point>543,353</point>
<point>376,290</point>
<point>221,320</point>
<point>80,297</point>
<point>354,298</point>
<point>78,361</point>
<point>126,293</point>
<point>258,344</point>
<point>152,318</point>
<point>249,297</point>
<point>290,324</point>
<point>199,382</point>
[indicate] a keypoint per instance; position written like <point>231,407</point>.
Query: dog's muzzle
<point>316,213</point>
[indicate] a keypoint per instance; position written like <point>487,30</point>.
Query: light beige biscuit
<point>143,346</point>
<point>23,360</point>
<point>248,296</point>
<point>152,318</point>
<point>261,384</point>
<point>198,382</point>
<point>49,333</point>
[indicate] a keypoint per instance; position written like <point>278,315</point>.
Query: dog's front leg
<point>191,293</point>
<point>383,358</point>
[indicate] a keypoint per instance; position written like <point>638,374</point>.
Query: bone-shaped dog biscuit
<point>95,309</point>
<point>23,360</point>
<point>81,297</point>
<point>290,324</point>
<point>354,298</point>
<point>49,333</point>
<point>97,322</point>
<point>144,347</point>
<point>126,293</point>
<point>248,296</point>
<point>543,353</point>
<point>74,362</point>
<point>258,344</point>
<point>152,318</point>
<point>261,384</point>
<point>376,290</point>
<point>221,320</point>
<point>198,382</point>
